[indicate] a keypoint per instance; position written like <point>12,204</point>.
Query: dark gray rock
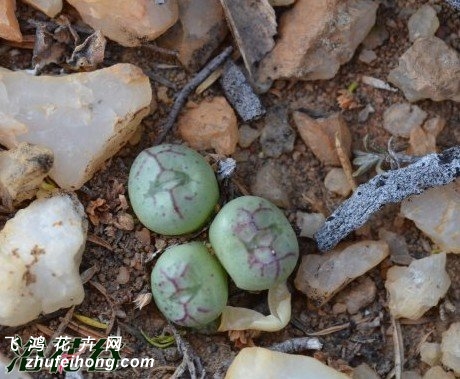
<point>240,94</point>
<point>277,136</point>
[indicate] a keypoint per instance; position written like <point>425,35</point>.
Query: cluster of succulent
<point>174,191</point>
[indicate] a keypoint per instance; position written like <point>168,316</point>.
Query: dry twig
<point>188,89</point>
<point>399,350</point>
<point>190,361</point>
<point>345,162</point>
<point>391,187</point>
<point>103,291</point>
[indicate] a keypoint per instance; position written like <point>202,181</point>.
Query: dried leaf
<point>243,338</point>
<point>90,321</point>
<point>90,53</point>
<point>46,49</point>
<point>347,100</point>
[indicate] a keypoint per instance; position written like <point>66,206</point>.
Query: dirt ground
<point>113,252</point>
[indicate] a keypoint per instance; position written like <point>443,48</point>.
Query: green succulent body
<point>172,189</point>
<point>254,242</point>
<point>189,285</point>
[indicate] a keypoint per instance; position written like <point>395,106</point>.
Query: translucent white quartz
<point>415,289</point>
<point>436,212</point>
<point>83,118</point>
<point>40,254</point>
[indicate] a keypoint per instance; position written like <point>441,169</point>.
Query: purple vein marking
<point>157,185</point>
<point>260,241</point>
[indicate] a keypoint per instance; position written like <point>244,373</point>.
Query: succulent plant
<point>189,285</point>
<point>254,242</point>
<point>172,189</point>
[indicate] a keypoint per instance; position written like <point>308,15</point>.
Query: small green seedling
<point>189,285</point>
<point>254,242</point>
<point>172,189</point>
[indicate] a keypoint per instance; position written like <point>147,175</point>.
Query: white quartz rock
<point>415,289</point>
<point>40,254</point>
<point>430,353</point>
<point>83,118</point>
<point>129,23</point>
<point>320,277</point>
<point>49,7</point>
<point>450,348</point>
<point>437,213</point>
<point>260,363</point>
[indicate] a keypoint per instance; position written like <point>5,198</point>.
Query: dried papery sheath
<point>391,187</point>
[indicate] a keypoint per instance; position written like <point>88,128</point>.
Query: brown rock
<point>9,27</point>
<point>212,124</point>
<point>315,49</point>
<point>358,296</point>
<point>319,135</point>
<point>128,22</point>
<point>49,7</point>
<point>434,125</point>
<point>429,69</point>
<point>200,30</point>
<point>421,142</point>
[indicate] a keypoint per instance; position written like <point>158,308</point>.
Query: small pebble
<point>364,114</point>
<point>143,236</point>
<point>430,353</point>
<point>363,371</point>
<point>277,136</point>
<point>358,296</point>
<point>247,135</point>
<point>415,289</point>
<point>270,184</point>
<point>376,37</point>
<point>123,275</point>
<point>423,23</point>
<point>450,347</point>
<point>320,277</point>
<point>211,125</point>
<point>400,119</point>
<point>309,223</point>
<point>410,375</point>
<point>367,56</point>
<point>428,69</point>
<point>438,372</point>
<point>336,181</point>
